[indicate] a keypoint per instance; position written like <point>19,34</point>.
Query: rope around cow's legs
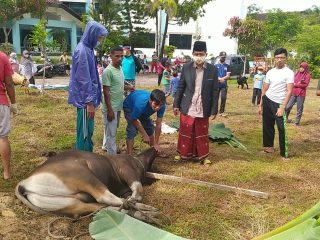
<point>151,214</point>
<point>72,220</point>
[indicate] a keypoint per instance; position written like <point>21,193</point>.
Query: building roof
<point>57,3</point>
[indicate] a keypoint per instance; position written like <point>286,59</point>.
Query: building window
<point>79,8</point>
<point>97,7</point>
<point>181,41</point>
<point>144,40</point>
<point>79,34</point>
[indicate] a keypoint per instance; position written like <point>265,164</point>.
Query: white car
<point>138,52</point>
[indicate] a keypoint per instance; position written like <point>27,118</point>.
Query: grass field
<point>47,123</point>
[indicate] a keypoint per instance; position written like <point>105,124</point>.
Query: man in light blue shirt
<point>257,85</point>
<point>130,66</point>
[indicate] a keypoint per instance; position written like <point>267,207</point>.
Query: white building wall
<point>214,23</point>
<point>211,26</point>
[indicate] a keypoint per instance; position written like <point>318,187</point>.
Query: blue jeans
<point>131,129</point>
<point>166,89</point>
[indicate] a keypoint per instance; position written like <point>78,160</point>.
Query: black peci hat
<point>200,46</point>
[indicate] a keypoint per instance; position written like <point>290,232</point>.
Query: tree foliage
<point>169,50</point>
<point>39,35</point>
<point>308,41</point>
<point>253,10</point>
<point>249,34</point>
<point>12,9</point>
<point>190,10</point>
<point>281,28</point>
<point>312,15</point>
<point>122,19</point>
<point>177,12</point>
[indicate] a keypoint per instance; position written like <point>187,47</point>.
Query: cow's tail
<point>21,195</point>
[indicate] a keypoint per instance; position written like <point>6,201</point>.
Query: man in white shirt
<point>276,92</point>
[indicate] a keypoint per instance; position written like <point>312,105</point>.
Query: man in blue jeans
<point>138,107</point>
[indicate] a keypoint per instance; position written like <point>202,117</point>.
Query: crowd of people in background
<point>196,87</point>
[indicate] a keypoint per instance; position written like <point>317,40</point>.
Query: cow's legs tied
<point>137,190</point>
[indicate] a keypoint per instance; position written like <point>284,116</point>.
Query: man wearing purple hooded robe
<point>84,86</point>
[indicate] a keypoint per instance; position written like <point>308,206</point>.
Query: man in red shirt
<point>6,88</point>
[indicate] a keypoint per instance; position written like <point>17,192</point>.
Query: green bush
<point>294,63</point>
<point>169,50</point>
<point>314,70</point>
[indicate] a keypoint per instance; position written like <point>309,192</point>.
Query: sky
<point>285,5</point>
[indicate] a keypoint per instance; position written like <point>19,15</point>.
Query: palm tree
<point>170,9</point>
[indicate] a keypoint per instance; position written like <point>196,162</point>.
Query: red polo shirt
<point>5,71</point>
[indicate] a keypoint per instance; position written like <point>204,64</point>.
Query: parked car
<point>236,63</point>
<point>138,52</point>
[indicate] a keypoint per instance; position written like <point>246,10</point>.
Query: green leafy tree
<point>39,37</point>
<point>312,15</point>
<point>123,19</point>
<point>249,35</point>
<point>169,50</point>
<point>253,11</point>
<point>281,28</point>
<point>308,47</point>
<point>134,17</point>
<point>14,9</point>
<point>59,37</point>
<point>152,7</point>
<point>177,12</point>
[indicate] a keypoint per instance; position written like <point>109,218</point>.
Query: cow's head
<point>147,157</point>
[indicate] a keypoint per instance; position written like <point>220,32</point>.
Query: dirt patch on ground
<point>19,223</point>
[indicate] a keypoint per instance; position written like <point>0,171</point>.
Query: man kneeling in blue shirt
<point>138,107</point>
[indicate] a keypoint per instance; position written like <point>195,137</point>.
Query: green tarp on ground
<point>111,224</point>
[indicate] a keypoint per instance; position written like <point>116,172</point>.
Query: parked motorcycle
<point>48,70</point>
<point>59,69</point>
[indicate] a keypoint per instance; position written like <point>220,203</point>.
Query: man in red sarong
<point>196,99</point>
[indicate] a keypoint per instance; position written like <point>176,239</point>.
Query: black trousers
<point>256,95</point>
<point>223,92</point>
<point>159,79</point>
<point>31,80</point>
<point>269,119</point>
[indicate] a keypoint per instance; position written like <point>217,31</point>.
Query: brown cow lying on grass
<point>76,183</point>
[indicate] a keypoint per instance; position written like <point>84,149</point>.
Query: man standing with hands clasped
<point>196,99</point>
<point>276,92</point>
